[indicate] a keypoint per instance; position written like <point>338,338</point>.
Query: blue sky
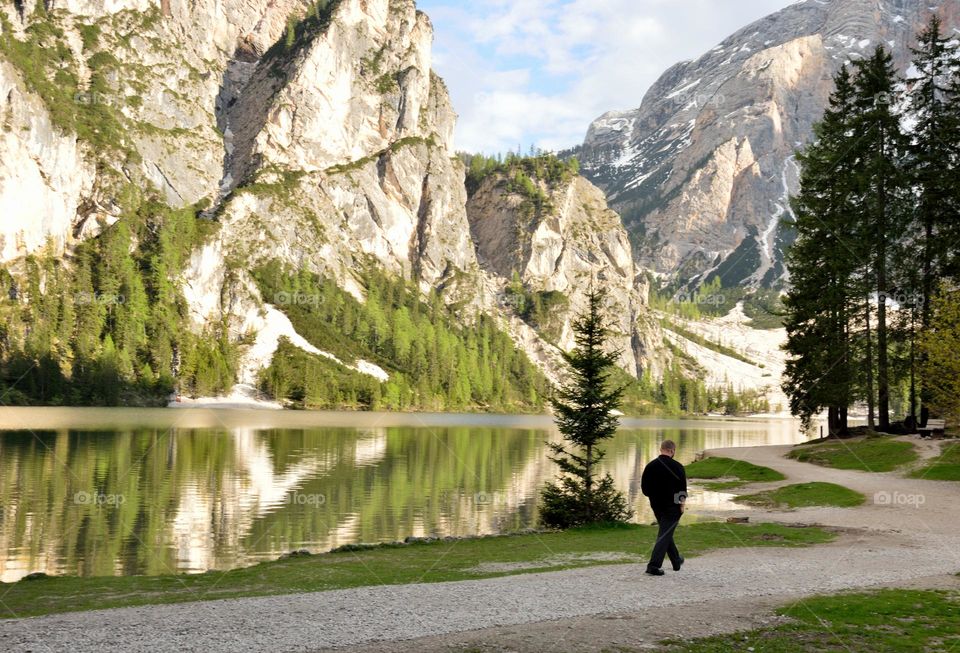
<point>537,72</point>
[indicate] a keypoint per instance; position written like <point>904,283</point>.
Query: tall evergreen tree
<point>880,146</point>
<point>933,154</point>
<point>585,416</point>
<point>822,265</point>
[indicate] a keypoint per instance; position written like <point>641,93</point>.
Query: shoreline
<point>220,413</point>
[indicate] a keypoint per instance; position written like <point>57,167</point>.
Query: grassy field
<point>391,565</point>
<point>803,495</point>
<point>737,472</point>
<point>888,620</point>
<point>871,454</point>
<point>946,467</point>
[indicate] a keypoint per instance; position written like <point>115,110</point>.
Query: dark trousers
<point>665,546</point>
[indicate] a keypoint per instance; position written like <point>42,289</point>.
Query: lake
<point>113,491</point>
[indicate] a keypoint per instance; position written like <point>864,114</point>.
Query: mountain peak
<point>670,167</point>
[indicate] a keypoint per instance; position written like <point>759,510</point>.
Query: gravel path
<point>897,542</point>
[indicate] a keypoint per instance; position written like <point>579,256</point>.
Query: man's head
<point>668,448</point>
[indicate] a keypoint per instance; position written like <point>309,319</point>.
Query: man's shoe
<point>654,572</point>
<point>677,565</point>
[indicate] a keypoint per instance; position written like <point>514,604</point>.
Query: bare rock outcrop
<point>559,250</point>
<point>702,171</point>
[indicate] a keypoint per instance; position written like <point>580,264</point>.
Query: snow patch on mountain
<point>271,325</point>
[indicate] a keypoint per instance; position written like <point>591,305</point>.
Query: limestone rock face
<point>164,62</point>
<point>328,146</point>
<point>702,170</point>
<point>576,241</point>
<point>341,155</point>
<point>44,178</point>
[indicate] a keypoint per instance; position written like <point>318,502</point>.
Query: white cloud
<point>540,71</point>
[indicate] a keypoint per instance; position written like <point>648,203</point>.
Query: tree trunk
<point>847,368</point>
<point>833,421</point>
<point>883,375</point>
<point>913,368</point>
<point>871,419</point>
<point>925,310</point>
<point>588,482</point>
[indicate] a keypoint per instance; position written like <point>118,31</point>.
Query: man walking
<point>664,481</point>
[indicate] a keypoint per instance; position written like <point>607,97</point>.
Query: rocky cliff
<point>311,134</point>
<point>556,245</point>
<point>116,90</point>
<point>701,172</point>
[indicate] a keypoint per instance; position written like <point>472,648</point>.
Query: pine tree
<point>822,265</point>
<point>584,416</point>
<point>933,155</point>
<point>880,146</point>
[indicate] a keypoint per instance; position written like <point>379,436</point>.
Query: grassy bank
<point>733,473</point>
<point>804,495</point>
<point>392,565</point>
<point>945,467</point>
<point>871,454</point>
<point>889,620</point>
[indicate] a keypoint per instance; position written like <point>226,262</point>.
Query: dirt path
<point>913,538</point>
<point>624,632</point>
<point>895,504</point>
<point>903,521</point>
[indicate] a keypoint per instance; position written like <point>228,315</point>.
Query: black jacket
<point>664,481</point>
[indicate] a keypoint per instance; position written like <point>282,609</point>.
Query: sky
<point>528,73</point>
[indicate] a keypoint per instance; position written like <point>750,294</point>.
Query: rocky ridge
<point>576,241</point>
<point>702,171</point>
<point>325,143</point>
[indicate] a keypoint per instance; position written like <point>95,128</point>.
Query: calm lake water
<point>129,491</point>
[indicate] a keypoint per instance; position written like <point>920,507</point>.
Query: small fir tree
<point>585,416</point>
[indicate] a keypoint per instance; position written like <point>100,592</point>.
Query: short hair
<point>668,445</point>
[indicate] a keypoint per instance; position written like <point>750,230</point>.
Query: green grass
<point>803,495</point>
<point>884,621</point>
<point>391,565</point>
<point>946,467</point>
<point>871,454</point>
<point>727,468</point>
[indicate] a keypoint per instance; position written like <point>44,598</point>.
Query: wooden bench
<point>933,427</point>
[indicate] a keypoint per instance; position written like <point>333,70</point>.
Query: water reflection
<point>135,495</point>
